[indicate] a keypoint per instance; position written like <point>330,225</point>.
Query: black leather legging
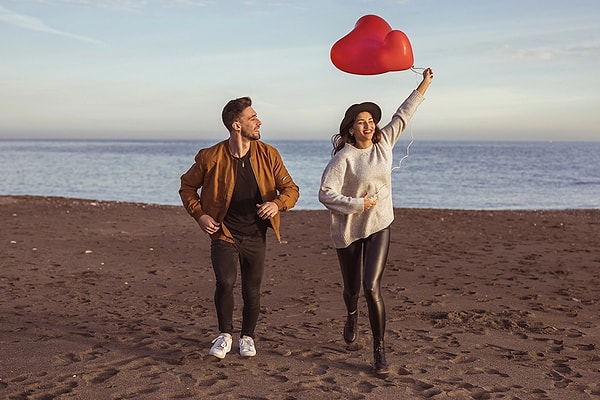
<point>368,256</point>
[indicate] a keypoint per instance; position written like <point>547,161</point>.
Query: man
<point>244,187</point>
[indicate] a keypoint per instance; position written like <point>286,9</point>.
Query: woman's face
<point>363,129</point>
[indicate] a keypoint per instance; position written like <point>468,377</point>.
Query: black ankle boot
<point>351,327</point>
<point>379,365</point>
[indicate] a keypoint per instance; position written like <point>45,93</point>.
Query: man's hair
<point>233,109</point>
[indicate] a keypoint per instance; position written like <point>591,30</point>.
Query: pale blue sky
<point>163,69</point>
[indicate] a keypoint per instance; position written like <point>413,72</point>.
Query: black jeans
<point>368,256</point>
<point>249,253</point>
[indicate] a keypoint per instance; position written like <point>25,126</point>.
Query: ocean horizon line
<point>268,140</point>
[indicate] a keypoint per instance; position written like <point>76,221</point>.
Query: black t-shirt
<point>241,218</point>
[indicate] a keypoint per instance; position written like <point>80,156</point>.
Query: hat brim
<point>356,109</point>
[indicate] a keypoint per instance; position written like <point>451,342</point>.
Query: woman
<point>356,188</point>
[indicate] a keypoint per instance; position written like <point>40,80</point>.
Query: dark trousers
<point>367,256</point>
<point>249,253</point>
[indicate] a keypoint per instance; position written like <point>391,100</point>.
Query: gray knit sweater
<point>353,172</point>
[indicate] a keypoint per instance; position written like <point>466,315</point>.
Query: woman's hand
<point>428,75</point>
<point>369,201</point>
<point>427,78</point>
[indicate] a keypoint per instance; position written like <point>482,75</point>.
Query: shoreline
<point>105,299</point>
<point>12,197</point>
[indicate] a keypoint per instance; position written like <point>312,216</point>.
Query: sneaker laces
<point>247,342</point>
<point>221,341</point>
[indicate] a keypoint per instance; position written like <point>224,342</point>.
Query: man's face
<point>250,124</point>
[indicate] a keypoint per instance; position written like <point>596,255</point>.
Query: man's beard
<point>250,135</point>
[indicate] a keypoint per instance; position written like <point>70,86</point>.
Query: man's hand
<point>267,210</point>
<point>208,224</point>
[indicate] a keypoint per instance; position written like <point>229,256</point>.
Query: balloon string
<point>417,71</point>
<point>412,139</point>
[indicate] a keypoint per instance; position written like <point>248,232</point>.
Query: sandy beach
<point>111,300</point>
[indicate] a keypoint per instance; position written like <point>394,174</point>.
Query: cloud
<point>193,3</point>
<point>35,24</point>
<point>131,4</point>
<point>547,54</point>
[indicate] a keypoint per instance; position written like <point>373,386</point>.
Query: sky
<point>164,69</point>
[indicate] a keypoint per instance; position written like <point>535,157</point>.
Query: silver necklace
<point>238,159</point>
<point>241,159</point>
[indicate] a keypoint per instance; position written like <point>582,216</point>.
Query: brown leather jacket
<point>213,171</point>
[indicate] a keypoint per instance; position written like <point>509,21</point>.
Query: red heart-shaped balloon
<point>372,48</point>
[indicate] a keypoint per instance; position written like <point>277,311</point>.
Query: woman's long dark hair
<point>339,140</point>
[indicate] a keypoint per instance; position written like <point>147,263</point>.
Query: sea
<point>468,175</point>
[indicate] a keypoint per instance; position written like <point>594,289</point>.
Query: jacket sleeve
<point>191,181</point>
<point>287,190</point>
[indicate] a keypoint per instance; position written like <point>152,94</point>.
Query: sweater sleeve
<point>330,192</point>
<point>393,130</point>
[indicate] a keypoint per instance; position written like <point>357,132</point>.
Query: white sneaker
<point>221,345</point>
<point>247,348</point>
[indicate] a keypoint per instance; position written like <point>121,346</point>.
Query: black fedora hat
<point>356,109</point>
